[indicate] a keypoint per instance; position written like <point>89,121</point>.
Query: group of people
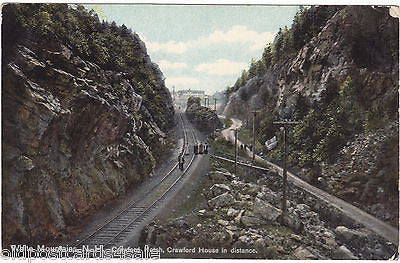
<point>245,147</point>
<point>200,148</point>
<point>197,148</point>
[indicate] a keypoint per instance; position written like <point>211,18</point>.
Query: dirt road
<point>379,227</point>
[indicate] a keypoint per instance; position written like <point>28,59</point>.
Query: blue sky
<point>201,46</point>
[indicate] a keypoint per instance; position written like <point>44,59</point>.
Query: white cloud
<point>240,34</point>
<point>237,34</point>
<point>221,67</point>
<point>169,47</point>
<point>164,65</point>
<point>260,42</point>
<point>180,81</point>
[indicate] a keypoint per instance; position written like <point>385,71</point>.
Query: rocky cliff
<point>205,119</point>
<point>343,86</point>
<point>76,132</point>
<point>357,41</point>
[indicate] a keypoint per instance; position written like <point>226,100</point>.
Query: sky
<point>202,47</point>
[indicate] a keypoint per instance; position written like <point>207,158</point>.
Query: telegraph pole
<point>236,135</point>
<point>254,135</point>
<point>285,125</point>
<point>247,115</point>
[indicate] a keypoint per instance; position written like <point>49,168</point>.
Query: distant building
<point>181,96</point>
<point>190,93</point>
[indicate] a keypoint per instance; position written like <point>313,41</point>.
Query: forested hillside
<point>335,70</point>
<point>85,116</point>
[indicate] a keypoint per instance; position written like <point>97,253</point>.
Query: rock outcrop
<point>205,119</point>
<point>360,162</point>
<point>359,41</point>
<point>74,136</point>
<point>251,224</point>
<point>365,173</point>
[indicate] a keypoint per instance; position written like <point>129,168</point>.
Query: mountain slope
<point>343,85</point>
<point>85,115</point>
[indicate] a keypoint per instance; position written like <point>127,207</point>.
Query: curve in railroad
<point>379,227</point>
<point>115,230</point>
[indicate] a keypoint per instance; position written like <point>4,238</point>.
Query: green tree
<point>306,24</point>
<point>267,56</point>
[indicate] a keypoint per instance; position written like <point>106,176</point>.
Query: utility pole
<point>205,101</point>
<point>254,136</point>
<point>285,124</point>
<point>236,135</point>
<point>247,115</point>
<point>215,104</point>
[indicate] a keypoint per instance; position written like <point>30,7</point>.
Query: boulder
<point>251,189</point>
<point>229,236</point>
<point>348,235</point>
<point>244,204</point>
<point>268,195</point>
<point>322,235</point>
<point>243,198</point>
<point>304,214</point>
<point>223,222</point>
<point>343,253</point>
<point>220,177</point>
<point>260,244</point>
<point>201,212</point>
<point>222,200</point>
<point>232,212</point>
<point>237,184</point>
<point>303,253</point>
<point>218,189</point>
<point>232,228</point>
<point>270,252</point>
<point>266,211</point>
<point>250,221</point>
<point>292,223</point>
<point>329,239</point>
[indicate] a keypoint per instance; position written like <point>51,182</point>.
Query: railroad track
<point>241,163</point>
<point>118,228</point>
<point>225,154</point>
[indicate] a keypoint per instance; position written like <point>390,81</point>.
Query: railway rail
<point>118,228</point>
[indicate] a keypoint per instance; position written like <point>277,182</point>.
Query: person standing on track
<point>195,149</point>
<point>206,148</point>
<point>181,161</point>
<point>201,148</point>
